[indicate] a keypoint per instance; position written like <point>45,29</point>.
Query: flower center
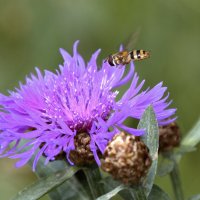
<point>79,101</point>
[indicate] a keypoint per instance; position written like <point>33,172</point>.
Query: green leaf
<point>195,197</point>
<point>184,149</point>
<point>193,137</point>
<point>158,193</point>
<point>69,189</point>
<point>165,166</point>
<point>188,143</point>
<point>44,185</point>
<point>93,177</point>
<point>65,191</point>
<point>149,123</point>
<point>110,184</point>
<point>112,193</point>
<point>137,193</point>
<point>179,152</point>
<point>119,191</point>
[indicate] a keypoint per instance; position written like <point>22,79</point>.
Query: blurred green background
<point>31,32</point>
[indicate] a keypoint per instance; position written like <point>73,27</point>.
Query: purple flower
<point>49,110</point>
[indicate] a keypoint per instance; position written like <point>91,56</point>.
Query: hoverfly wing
<point>131,41</point>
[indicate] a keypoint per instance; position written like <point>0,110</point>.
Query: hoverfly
<point>125,57</point>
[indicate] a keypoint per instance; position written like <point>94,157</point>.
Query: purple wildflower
<point>49,110</point>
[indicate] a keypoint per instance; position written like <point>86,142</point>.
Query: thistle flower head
<point>50,109</point>
<point>127,158</point>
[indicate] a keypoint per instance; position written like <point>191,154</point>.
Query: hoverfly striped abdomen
<point>139,54</point>
<point>125,57</point>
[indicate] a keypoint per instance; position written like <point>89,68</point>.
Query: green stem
<point>176,182</point>
<point>138,193</point>
<point>93,178</point>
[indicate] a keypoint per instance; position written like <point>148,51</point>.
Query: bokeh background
<point>31,32</point>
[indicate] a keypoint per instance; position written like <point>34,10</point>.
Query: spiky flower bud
<point>126,158</point>
<point>169,137</point>
<point>82,155</point>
